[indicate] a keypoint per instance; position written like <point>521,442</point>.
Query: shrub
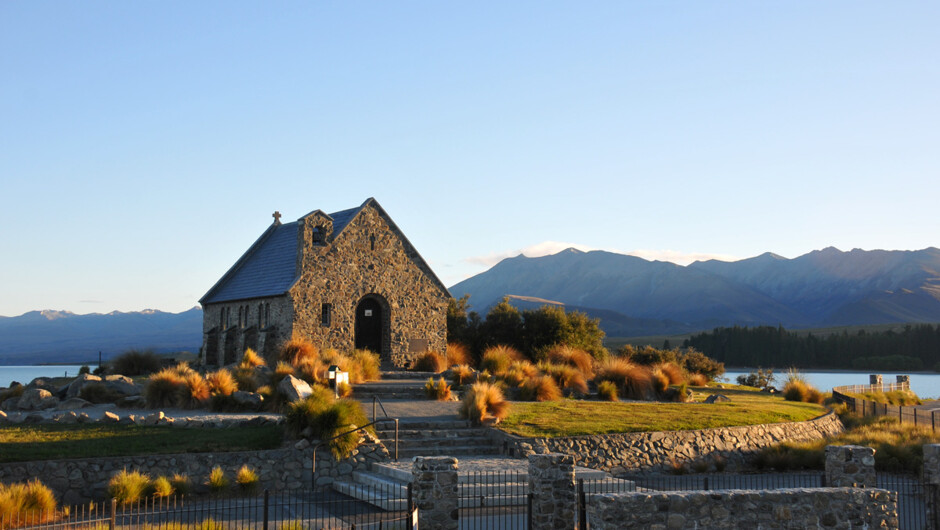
<point>128,486</point>
<point>759,378</point>
<point>221,382</point>
<point>218,481</point>
<point>162,487</point>
<point>568,377</point>
<point>344,389</point>
<point>482,400</point>
<point>580,359</point>
<point>247,479</point>
<point>294,350</point>
<point>14,391</point>
<point>326,417</point>
<point>541,388</point>
<point>85,369</point>
<point>162,387</point>
<point>673,372</point>
<point>181,483</point>
<point>365,366</point>
<point>457,353</point>
<point>99,393</point>
<point>700,466</point>
<point>461,374</point>
<point>696,362</point>
<point>497,359</point>
<point>607,390</point>
<point>193,393</point>
<point>519,372</point>
<point>251,359</point>
<point>439,390</point>
<point>33,502</point>
<point>698,380</point>
<point>135,362</point>
<point>429,361</point>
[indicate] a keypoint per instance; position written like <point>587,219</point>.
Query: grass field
<point>42,442</point>
<point>575,417</point>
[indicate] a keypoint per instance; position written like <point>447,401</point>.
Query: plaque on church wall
<point>417,345</point>
<point>367,312</point>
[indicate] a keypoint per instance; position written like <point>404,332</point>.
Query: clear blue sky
<point>144,145</point>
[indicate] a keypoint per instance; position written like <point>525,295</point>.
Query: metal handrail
<point>324,442</point>
<point>375,400</point>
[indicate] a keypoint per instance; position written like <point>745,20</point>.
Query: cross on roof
<point>277,217</point>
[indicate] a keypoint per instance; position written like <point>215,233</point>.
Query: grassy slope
<point>572,418</point>
<point>42,442</point>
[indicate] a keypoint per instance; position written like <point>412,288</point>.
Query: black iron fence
<point>295,510</point>
<point>493,499</point>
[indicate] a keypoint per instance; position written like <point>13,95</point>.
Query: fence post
<point>849,466</point>
<point>434,479</point>
<point>932,484</point>
<point>582,506</point>
<point>111,521</point>
<point>266,509</point>
<point>551,483</point>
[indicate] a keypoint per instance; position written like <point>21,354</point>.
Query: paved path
<point>414,410</point>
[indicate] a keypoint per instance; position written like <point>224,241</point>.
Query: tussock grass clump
<point>797,388</point>
<point>311,370</point>
<point>607,390</point>
<point>247,479</point>
<point>221,383</point>
<point>497,359</point>
<point>659,380</point>
<point>251,359</point>
<point>33,502</point>
<point>461,374</point>
<point>162,387</point>
<point>519,372</point>
<point>181,483</point>
<point>895,397</point>
<point>323,417</point>
<point>366,365</point>
<point>14,391</point>
<point>135,362</point>
<point>673,372</point>
<point>129,486</point>
<point>568,377</point>
<point>678,394</point>
<point>193,393</point>
<point>540,388</point>
<point>578,358</point>
<point>439,390</point>
<point>698,380</point>
<point>632,380</point>
<point>99,393</point>
<point>484,400</point>
<point>218,481</point>
<point>457,353</point>
<point>162,487</point>
<point>294,350</point>
<point>429,361</point>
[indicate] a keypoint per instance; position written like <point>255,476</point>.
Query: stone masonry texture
<point>850,466</point>
<point>434,490</point>
<point>554,498</point>
<point>932,484</point>
<point>838,508</point>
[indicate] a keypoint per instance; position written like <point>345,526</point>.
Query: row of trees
<point>916,347</point>
<point>529,331</point>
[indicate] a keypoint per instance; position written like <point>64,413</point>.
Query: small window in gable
<point>372,241</point>
<point>318,238</point>
<point>326,314</point>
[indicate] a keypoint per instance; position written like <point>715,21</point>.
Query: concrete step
<point>383,501</point>
<point>412,424</point>
<point>429,433</point>
<point>408,375</point>
<point>456,450</point>
<point>402,474</point>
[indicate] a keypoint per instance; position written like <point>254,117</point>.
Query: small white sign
<point>367,312</point>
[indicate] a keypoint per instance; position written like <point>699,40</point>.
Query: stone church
<point>345,280</point>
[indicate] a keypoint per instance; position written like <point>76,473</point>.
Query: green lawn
<point>575,417</point>
<point>43,442</point>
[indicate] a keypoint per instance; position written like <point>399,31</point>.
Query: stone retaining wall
<point>645,451</point>
<point>769,509</point>
<point>77,481</point>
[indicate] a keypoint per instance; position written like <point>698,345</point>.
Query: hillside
<point>823,288</point>
<point>63,337</point>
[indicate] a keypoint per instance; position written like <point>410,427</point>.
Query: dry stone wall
<point>645,451</point>
<point>733,509</point>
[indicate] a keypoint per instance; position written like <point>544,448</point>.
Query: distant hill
<point>823,288</point>
<point>64,337</point>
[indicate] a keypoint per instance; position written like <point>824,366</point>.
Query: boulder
<point>122,384</point>
<point>153,419</point>
<point>75,388</point>
<point>37,399</point>
<point>248,399</point>
<point>132,402</point>
<point>10,404</point>
<point>65,417</point>
<point>3,418</point>
<point>293,388</point>
<point>73,403</point>
<point>717,398</point>
<point>33,417</point>
<point>109,417</point>
<point>43,383</point>
<point>83,417</point>
<point>261,375</point>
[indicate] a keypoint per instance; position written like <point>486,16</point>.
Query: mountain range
<point>64,337</point>
<point>823,288</point>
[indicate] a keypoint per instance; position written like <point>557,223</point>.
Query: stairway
<point>386,485</point>
<point>393,386</point>
<point>436,437</point>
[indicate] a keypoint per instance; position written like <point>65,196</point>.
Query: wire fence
<point>865,407</point>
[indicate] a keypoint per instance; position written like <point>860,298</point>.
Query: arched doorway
<point>372,324</point>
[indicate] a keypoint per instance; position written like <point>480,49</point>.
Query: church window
<point>267,314</point>
<point>260,313</point>
<point>240,321</point>
<point>372,241</point>
<point>318,235</point>
<point>326,314</point>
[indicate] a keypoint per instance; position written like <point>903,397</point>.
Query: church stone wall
<point>367,259</point>
<point>229,340</point>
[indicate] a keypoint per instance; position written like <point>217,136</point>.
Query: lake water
<point>925,385</point>
<point>25,374</point>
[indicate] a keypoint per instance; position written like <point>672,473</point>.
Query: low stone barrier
<point>76,481</point>
<point>769,509</point>
<point>645,451</point>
